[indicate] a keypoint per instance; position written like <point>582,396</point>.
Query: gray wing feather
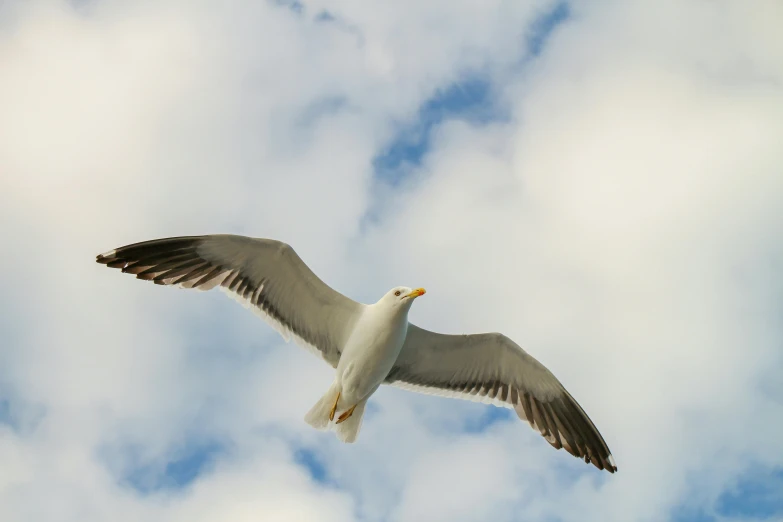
<point>263,274</point>
<point>491,368</point>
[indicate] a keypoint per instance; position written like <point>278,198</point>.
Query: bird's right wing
<point>492,368</point>
<point>263,274</point>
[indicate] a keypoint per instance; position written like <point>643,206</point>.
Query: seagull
<point>367,345</point>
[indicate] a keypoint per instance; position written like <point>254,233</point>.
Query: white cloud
<point>622,226</point>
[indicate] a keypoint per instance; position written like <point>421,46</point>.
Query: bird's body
<point>367,345</point>
<point>371,350</point>
<point>367,358</point>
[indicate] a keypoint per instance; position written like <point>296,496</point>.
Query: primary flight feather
<point>368,345</point>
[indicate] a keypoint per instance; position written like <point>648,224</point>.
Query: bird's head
<point>401,296</point>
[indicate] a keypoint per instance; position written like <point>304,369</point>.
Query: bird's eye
<point>397,293</point>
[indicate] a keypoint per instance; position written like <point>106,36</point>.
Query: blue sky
<point>558,172</point>
<point>472,98</point>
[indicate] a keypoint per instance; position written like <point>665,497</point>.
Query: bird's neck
<point>390,313</point>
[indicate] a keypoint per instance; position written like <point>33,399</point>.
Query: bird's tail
<point>318,416</point>
<point>348,430</point>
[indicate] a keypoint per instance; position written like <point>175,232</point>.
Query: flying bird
<point>368,345</point>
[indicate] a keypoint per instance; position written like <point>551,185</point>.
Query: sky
<point>600,181</point>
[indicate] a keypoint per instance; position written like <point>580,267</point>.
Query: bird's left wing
<point>263,274</point>
<point>491,368</point>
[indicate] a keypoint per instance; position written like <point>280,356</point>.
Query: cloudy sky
<point>601,181</point>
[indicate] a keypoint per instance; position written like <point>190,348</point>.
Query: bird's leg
<point>334,407</point>
<point>346,414</point>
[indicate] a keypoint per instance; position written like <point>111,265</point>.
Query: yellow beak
<point>416,293</point>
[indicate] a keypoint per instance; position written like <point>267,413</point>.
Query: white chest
<point>371,352</point>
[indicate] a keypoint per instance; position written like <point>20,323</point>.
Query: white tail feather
<point>318,416</point>
<point>348,430</point>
